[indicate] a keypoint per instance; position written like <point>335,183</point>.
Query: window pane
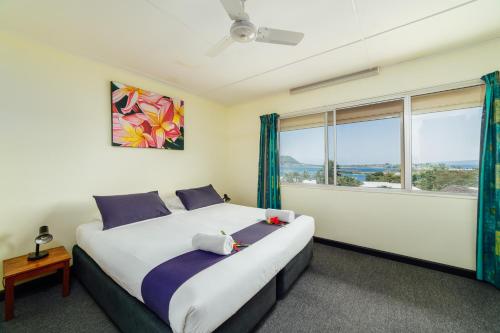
<point>445,149</point>
<point>302,154</point>
<point>369,151</point>
<point>331,147</point>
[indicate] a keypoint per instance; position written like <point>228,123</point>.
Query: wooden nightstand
<point>19,268</point>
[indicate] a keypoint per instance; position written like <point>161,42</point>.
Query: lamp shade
<point>43,235</point>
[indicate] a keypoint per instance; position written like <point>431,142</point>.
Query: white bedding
<point>205,301</point>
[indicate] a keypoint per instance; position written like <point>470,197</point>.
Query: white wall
<point>436,228</point>
<point>56,151</point>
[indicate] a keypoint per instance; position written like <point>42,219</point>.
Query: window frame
<point>405,142</point>
<point>401,142</point>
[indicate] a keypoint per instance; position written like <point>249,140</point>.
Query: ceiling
<point>167,39</point>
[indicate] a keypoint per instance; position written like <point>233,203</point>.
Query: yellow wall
<point>436,228</point>
<point>56,153</point>
<point>56,150</point>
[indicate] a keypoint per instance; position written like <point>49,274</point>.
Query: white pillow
<point>173,202</point>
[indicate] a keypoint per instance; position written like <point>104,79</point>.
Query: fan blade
<point>219,47</point>
<point>235,9</point>
<point>276,36</point>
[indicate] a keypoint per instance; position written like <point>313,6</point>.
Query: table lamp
<point>43,238</point>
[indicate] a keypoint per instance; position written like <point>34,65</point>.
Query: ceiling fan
<point>244,31</point>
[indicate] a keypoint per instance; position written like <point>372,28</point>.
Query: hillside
<point>286,160</point>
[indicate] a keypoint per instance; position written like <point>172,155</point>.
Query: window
<point>366,146</point>
<point>302,149</point>
<point>446,130</point>
<point>369,145</point>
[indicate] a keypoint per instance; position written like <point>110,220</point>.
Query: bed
<point>231,295</point>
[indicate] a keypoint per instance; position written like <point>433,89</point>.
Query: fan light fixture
<point>43,238</point>
<point>244,31</point>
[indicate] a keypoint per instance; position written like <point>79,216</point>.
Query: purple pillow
<point>199,197</point>
<point>117,210</point>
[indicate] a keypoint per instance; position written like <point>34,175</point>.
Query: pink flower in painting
<point>178,107</point>
<point>128,131</point>
<point>145,119</point>
<point>134,95</point>
<point>160,117</point>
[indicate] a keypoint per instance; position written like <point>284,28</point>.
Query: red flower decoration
<point>273,220</point>
<point>235,247</point>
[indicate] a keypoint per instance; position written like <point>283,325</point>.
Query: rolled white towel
<point>220,244</point>
<point>283,215</point>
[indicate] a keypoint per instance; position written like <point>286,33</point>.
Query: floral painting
<point>143,119</point>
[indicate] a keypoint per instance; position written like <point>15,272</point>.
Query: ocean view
<point>358,172</point>
<point>452,176</point>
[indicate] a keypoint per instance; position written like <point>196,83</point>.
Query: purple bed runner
<point>161,282</point>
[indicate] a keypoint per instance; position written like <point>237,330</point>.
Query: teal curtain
<point>269,193</point>
<point>488,222</point>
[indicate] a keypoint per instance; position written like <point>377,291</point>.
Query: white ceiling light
<point>243,31</point>
<point>336,80</point>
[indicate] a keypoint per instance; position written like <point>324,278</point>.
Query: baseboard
<point>400,258</point>
<point>41,283</point>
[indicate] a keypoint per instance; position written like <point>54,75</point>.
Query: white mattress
<point>129,252</point>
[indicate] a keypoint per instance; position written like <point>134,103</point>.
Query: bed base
<point>292,271</point>
<point>130,315</point>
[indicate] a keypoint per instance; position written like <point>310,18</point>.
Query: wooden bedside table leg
<point>66,279</point>
<point>9,299</point>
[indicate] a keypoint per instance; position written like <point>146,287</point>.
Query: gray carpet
<point>342,291</point>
